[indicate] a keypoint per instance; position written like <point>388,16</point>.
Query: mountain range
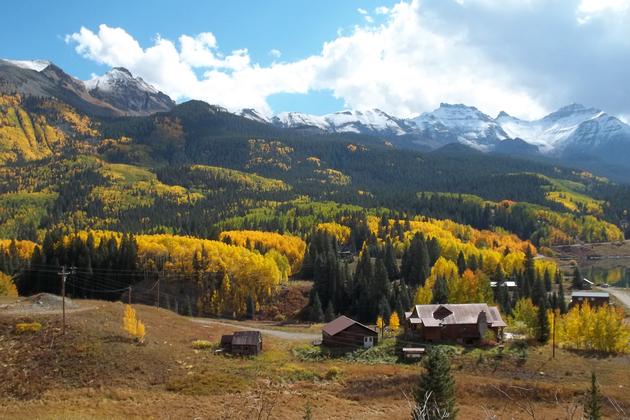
<point>575,135</point>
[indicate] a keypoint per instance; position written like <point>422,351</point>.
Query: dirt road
<point>622,294</point>
<point>284,335</point>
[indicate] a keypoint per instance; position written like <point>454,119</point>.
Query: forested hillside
<point>232,209</point>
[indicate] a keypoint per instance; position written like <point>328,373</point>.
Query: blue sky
<point>37,30</point>
<point>526,57</point>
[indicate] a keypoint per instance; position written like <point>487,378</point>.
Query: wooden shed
<point>242,343</point>
<point>344,332</point>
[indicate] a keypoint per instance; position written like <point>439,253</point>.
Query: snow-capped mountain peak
<point>373,121</point>
<point>120,88</point>
<point>119,78</point>
<point>252,114</point>
<point>37,65</point>
<point>465,124</point>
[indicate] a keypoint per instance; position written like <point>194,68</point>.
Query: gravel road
<point>285,335</point>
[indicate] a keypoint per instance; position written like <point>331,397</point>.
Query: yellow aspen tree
<point>130,323</point>
<point>394,322</point>
<point>379,322</point>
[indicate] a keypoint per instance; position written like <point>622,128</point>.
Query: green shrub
<point>202,345</point>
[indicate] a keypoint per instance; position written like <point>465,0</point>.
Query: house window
<point>368,342</point>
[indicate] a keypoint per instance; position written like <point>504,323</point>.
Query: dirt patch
<point>41,303</point>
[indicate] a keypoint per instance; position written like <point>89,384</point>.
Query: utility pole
<point>158,289</point>
<point>64,276</point>
<point>553,340</point>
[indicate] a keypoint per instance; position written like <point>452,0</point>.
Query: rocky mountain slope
<point>117,93</point>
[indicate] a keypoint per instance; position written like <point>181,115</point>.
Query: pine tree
<point>542,328</point>
<point>316,313</point>
<point>562,304</point>
<point>390,261</point>
<point>435,393</point>
<point>440,291</point>
<point>578,279</point>
<point>529,272</point>
<point>538,293</point>
<point>593,403</point>
<point>461,263</point>
<point>547,280</point>
<point>503,298</point>
<point>251,307</point>
<point>329,315</point>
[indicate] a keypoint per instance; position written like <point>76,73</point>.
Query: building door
<point>368,342</point>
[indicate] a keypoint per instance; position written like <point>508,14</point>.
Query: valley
<point>202,222</point>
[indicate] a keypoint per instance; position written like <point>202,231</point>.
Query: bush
<point>28,327</point>
<point>333,373</point>
<point>202,345</point>
<point>294,372</point>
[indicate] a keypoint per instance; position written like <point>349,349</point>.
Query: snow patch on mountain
<point>37,65</point>
<point>373,121</point>
<point>252,114</point>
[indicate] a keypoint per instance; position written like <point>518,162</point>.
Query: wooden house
<point>593,298</point>
<point>242,343</point>
<point>463,323</point>
<point>344,332</point>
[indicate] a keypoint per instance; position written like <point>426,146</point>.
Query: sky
<point>525,57</point>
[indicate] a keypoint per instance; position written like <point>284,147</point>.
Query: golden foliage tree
<point>132,324</point>
<point>600,329</point>
<point>394,322</point>
<point>290,246</point>
<point>7,288</point>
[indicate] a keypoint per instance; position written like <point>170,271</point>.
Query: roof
<point>509,283</point>
<point>342,323</point>
<point>589,294</point>
<point>246,338</point>
<point>456,314</point>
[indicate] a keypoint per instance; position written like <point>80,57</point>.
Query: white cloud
<point>475,52</point>
<point>275,53</point>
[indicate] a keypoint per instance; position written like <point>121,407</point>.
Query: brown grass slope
<point>96,371</point>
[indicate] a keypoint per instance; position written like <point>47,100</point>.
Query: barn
<point>242,343</point>
<point>344,332</point>
<point>462,323</point>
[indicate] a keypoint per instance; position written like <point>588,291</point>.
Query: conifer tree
<point>329,315</point>
<point>461,263</point>
<point>578,279</point>
<point>547,280</point>
<point>440,291</point>
<point>593,403</point>
<point>317,315</point>
<point>542,328</point>
<point>435,393</point>
<point>562,304</point>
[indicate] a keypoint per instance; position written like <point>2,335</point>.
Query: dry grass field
<point>96,371</point>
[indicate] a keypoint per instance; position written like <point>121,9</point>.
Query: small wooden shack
<point>344,332</point>
<point>593,298</point>
<point>242,343</point>
<point>463,323</point>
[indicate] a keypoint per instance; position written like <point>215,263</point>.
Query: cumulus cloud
<point>275,53</point>
<point>478,52</point>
